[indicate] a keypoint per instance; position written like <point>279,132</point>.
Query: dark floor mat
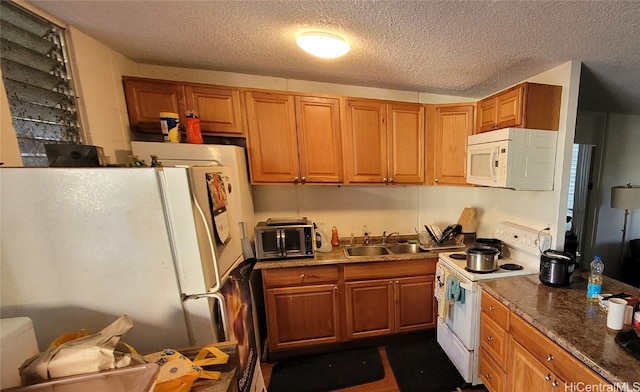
<point>327,372</point>
<point>422,366</point>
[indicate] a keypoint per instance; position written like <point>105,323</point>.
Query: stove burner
<point>511,267</point>
<point>479,272</point>
<point>458,256</point>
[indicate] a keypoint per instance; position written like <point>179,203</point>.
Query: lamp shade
<point>323,44</point>
<point>625,197</point>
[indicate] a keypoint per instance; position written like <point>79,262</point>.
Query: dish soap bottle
<point>365,236</point>
<point>594,286</point>
<point>335,240</point>
<point>323,240</point>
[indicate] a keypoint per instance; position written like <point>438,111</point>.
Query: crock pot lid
<point>557,255</point>
<point>482,250</point>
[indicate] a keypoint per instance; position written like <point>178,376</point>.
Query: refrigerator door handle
<point>221,305</point>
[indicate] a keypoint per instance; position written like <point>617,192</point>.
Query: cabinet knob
<point>397,282</point>
<point>437,180</point>
<point>491,308</point>
<point>391,282</point>
<point>385,180</point>
<point>488,376</point>
<point>335,288</point>
<point>391,180</point>
<point>549,358</point>
<point>303,179</point>
<point>489,339</point>
<point>296,180</point>
<point>547,377</point>
<point>554,383</point>
<point>301,276</point>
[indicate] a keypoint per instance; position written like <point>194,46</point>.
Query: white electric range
<point>459,322</point>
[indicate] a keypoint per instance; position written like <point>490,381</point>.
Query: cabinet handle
<point>296,180</point>
<point>489,339</point>
<point>549,358</point>
<point>304,179</point>
<point>547,377</point>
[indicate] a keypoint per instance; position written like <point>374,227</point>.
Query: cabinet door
<point>146,98</point>
<point>272,145</point>
<point>302,316</point>
<point>415,304</point>
<point>218,108</point>
<point>487,115</point>
<point>509,108</point>
<point>365,141</point>
<point>452,126</point>
<point>319,139</point>
<point>405,139</point>
<point>369,306</point>
<point>525,370</point>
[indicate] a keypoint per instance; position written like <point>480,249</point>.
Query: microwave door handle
<point>281,243</point>
<point>492,161</point>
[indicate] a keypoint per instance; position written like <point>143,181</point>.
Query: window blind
<point>37,81</point>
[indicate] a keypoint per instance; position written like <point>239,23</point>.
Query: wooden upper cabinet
<point>384,142</point>
<point>273,149</point>
<point>448,129</point>
<point>526,105</point>
<point>146,98</point>
<point>319,139</point>
<point>219,109</point>
<point>406,143</point>
<point>365,141</point>
<point>294,139</point>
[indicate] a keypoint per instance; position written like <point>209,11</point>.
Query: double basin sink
<point>381,250</point>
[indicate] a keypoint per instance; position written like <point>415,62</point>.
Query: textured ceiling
<point>462,48</point>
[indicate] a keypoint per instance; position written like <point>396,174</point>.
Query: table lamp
<point>625,197</point>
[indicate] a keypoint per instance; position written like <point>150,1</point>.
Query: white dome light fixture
<point>325,45</point>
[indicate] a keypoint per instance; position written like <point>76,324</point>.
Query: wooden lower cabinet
<point>525,371</point>
<point>386,298</point>
<point>303,316</point>
<point>302,306</point>
<point>319,305</point>
<point>515,356</point>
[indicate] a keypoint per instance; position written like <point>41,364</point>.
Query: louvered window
<point>37,82</point>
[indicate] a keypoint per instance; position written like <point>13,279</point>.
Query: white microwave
<point>515,158</point>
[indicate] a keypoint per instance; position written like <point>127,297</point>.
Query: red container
<point>193,129</point>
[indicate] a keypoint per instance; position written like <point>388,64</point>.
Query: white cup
<point>615,315</point>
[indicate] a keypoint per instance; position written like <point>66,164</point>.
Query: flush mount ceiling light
<point>325,45</point>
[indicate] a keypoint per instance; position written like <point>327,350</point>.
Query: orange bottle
<point>194,134</point>
<point>335,241</point>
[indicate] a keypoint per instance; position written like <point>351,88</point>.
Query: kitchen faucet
<point>386,237</point>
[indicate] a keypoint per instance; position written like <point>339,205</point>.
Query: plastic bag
<point>72,354</point>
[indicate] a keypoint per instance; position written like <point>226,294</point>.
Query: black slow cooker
<point>556,268</point>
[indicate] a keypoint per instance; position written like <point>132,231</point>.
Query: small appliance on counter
<point>281,238</point>
<point>556,268</point>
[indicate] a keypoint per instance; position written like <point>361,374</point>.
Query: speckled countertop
<point>567,318</point>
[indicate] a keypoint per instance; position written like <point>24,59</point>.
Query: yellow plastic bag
<point>178,373</point>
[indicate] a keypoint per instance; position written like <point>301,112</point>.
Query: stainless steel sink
<point>404,248</point>
<point>380,250</point>
<point>365,250</point>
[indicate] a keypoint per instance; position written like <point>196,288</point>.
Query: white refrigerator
<point>81,246</point>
